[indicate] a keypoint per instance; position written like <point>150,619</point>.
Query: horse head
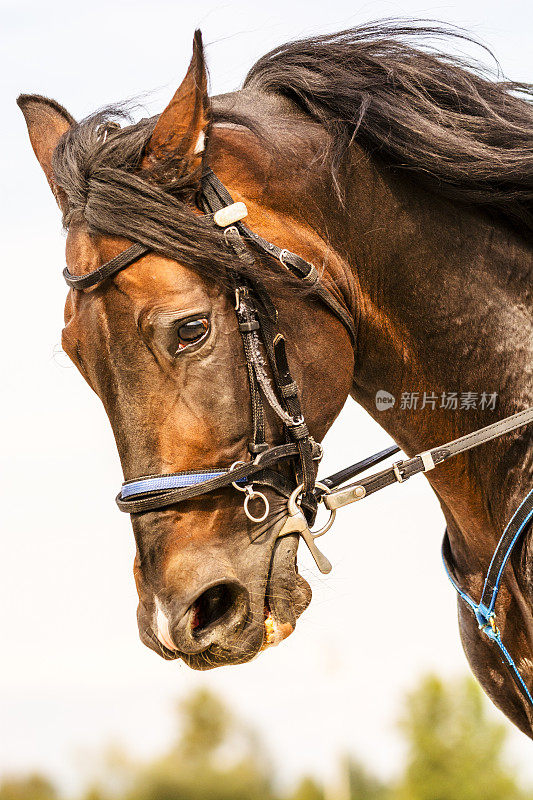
<point>160,345</point>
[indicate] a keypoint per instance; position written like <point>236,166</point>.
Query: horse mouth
<point>285,596</point>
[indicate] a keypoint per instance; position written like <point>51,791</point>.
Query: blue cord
<point>485,614</point>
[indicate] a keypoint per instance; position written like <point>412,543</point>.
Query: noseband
<point>257,321</point>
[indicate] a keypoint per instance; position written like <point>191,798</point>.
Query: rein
<point>257,319</point>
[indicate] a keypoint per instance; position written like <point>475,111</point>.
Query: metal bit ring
<point>251,495</point>
<point>294,507</point>
<point>332,514</point>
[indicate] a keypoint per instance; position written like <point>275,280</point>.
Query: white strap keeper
<point>427,461</point>
<point>230,214</point>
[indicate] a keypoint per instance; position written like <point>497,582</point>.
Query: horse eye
<point>191,332</point>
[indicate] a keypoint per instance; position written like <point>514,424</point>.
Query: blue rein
<point>484,611</point>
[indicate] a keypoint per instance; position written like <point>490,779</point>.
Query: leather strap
<point>424,461</point>
<point>508,541</point>
<point>254,304</point>
<point>153,499</point>
<point>107,270</point>
<point>213,188</point>
<point>345,474</point>
<point>214,193</point>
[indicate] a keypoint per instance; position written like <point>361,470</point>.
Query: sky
<point>74,676</point>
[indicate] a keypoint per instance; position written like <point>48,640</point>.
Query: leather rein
<point>257,322</point>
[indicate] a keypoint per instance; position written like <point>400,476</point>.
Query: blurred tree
<point>363,785</point>
<point>454,752</point>
<point>215,757</point>
<point>308,789</point>
<point>455,749</point>
<point>95,793</point>
<point>31,787</point>
<point>207,722</point>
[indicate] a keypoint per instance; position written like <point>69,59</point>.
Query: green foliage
<point>363,785</point>
<point>308,789</point>
<point>31,787</point>
<point>207,722</point>
<point>214,758</point>
<point>455,750</point>
<point>95,793</point>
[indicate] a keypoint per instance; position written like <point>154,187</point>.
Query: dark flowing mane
<point>464,135</point>
<point>97,163</point>
<point>443,119</point>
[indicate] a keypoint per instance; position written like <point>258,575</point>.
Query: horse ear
<point>179,135</point>
<point>47,121</point>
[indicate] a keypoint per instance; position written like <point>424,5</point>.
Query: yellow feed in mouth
<point>270,631</point>
<point>275,632</point>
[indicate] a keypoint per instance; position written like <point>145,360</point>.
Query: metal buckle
<point>343,497</point>
<point>295,421</point>
<point>492,623</point>
<point>396,469</point>
<point>319,451</point>
<point>231,228</point>
<point>282,253</point>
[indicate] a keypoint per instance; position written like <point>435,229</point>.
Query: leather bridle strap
<point>485,610</point>
<point>424,462</point>
<point>256,314</point>
<point>107,270</point>
<point>257,317</point>
<point>213,188</point>
<point>151,492</point>
<point>353,470</point>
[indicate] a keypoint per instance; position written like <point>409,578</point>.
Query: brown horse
<point>407,178</point>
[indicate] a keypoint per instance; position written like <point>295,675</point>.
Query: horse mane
<point>448,124</point>
<point>447,121</point>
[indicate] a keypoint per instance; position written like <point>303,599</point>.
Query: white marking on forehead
<point>162,627</point>
<point>200,144</point>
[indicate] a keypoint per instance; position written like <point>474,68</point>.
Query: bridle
<point>257,322</point>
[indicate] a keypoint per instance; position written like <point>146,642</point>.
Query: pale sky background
<point>75,676</point>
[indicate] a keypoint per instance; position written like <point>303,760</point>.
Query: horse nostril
<point>213,604</point>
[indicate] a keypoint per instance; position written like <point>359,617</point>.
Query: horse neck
<point>445,306</point>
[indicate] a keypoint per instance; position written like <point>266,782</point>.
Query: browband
<point>214,191</point>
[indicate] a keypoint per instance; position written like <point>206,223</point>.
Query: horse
<point>405,175</point>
